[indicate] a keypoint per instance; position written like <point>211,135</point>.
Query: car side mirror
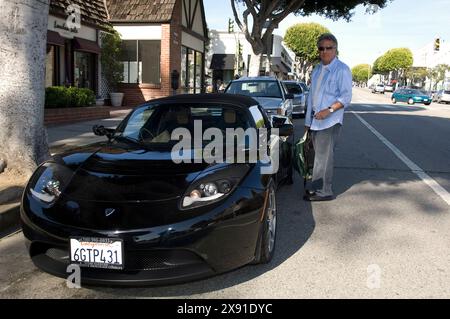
<point>100,130</point>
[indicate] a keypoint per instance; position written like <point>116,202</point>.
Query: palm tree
<point>23,37</point>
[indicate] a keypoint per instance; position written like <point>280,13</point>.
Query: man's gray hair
<point>327,36</point>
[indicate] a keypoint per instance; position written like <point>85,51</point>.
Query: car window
<point>154,125</point>
<point>293,88</point>
<point>255,88</point>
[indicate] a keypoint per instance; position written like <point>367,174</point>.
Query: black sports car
<point>128,212</point>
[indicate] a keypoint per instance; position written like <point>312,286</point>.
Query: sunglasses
<point>321,49</point>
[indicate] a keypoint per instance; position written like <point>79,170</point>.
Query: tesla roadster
<point>129,212</point>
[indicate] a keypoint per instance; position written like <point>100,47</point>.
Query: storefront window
<point>84,70</point>
<point>129,60</point>
<point>183,76</point>
<point>141,61</point>
<point>149,65</point>
<point>191,70</point>
<point>198,72</point>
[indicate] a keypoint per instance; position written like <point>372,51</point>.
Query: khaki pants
<point>324,146</point>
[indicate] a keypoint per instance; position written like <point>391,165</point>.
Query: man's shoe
<point>316,198</point>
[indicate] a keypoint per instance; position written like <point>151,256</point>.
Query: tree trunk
<point>23,37</point>
<point>255,64</point>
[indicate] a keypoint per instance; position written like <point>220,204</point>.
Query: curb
<point>9,218</point>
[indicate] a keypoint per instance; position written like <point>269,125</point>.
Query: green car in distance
<point>411,96</point>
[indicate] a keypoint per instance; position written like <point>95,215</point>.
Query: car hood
<point>121,173</point>
<point>269,102</point>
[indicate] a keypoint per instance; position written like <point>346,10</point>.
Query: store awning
<point>54,38</point>
<point>86,46</point>
<point>222,62</point>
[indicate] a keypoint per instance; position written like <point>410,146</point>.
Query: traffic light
<point>437,43</point>
<point>230,25</point>
<point>239,48</point>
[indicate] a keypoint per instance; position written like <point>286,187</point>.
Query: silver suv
<point>270,93</point>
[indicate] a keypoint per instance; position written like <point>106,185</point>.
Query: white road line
<point>438,189</point>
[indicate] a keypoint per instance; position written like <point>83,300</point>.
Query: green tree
<point>112,68</point>
<point>302,40</point>
<point>417,74</point>
<point>361,73</point>
<point>437,74</point>
<point>267,14</point>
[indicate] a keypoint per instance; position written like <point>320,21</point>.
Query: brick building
<point>73,50</point>
<point>158,37</point>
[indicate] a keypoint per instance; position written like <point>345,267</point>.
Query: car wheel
<point>410,101</point>
<point>266,243</point>
<point>394,100</point>
<point>427,103</point>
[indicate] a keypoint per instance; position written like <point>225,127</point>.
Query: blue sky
<point>403,23</point>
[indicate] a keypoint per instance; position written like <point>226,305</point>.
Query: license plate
<point>97,252</point>
<point>426,100</point>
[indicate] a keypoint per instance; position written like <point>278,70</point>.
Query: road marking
<point>438,189</point>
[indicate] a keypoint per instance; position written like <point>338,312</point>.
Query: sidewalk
<point>60,139</point>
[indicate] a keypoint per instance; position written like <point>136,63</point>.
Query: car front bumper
<point>215,242</point>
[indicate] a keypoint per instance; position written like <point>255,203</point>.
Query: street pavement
<point>385,236</point>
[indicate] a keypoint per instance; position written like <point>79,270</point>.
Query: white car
<point>379,88</point>
<point>388,88</point>
<point>443,96</point>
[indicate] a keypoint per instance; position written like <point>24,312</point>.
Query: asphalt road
<point>385,236</point>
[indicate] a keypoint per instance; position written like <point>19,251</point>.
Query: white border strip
<point>438,189</point>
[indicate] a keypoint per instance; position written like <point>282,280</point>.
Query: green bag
<point>304,156</point>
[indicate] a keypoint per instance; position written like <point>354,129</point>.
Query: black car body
<point>152,220</point>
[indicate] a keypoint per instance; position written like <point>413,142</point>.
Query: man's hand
<point>306,129</point>
<point>322,114</point>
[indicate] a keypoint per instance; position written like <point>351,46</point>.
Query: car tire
<point>394,100</point>
<point>267,237</point>
<point>410,101</point>
<point>427,103</point>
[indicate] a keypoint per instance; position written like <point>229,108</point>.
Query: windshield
<point>255,88</point>
<point>152,126</point>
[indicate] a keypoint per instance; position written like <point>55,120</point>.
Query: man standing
<point>330,93</point>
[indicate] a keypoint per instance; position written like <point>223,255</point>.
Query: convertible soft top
<point>220,98</point>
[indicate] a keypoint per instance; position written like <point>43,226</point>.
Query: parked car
<point>299,101</point>
<point>304,87</point>
<point>443,96</point>
<point>268,91</point>
<point>128,214</point>
<point>388,88</point>
<point>379,88</point>
<point>411,96</point>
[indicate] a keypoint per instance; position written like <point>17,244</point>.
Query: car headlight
<point>49,181</point>
<point>212,186</point>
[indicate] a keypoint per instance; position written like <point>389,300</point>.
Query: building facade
<point>73,43</point>
<point>429,57</point>
<point>229,55</point>
<point>158,39</point>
